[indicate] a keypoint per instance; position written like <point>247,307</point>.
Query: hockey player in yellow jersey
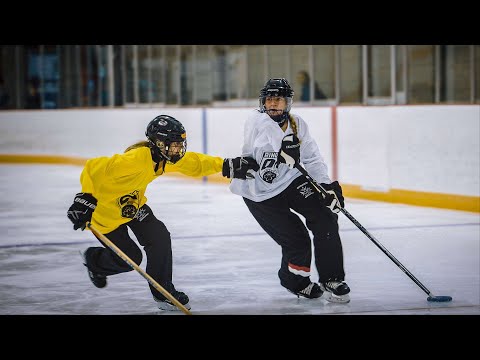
<point>113,199</point>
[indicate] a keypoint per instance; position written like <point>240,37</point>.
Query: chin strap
<point>158,165</point>
<point>279,119</point>
<point>157,156</point>
<point>285,117</point>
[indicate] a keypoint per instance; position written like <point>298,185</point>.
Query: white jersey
<point>262,139</point>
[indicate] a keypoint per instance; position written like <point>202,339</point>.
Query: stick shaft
<point>321,190</point>
<point>125,258</point>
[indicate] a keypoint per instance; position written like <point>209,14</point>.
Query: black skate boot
<point>336,291</point>
<point>165,304</point>
<point>312,291</point>
<point>100,281</point>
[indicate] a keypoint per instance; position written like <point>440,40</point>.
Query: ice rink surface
<point>222,258</point>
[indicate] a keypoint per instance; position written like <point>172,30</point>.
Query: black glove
<point>81,210</point>
<point>239,167</point>
<point>290,151</point>
<point>334,199</point>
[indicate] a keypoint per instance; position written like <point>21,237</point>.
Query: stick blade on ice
<point>439,298</point>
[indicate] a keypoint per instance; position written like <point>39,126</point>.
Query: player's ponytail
<point>293,124</point>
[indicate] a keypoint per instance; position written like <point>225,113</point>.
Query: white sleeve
<point>310,155</point>
<point>257,137</point>
<point>248,135</point>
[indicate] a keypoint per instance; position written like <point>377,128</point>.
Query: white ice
<point>222,258</point>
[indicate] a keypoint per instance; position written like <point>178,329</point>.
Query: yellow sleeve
<point>86,181</point>
<point>131,163</point>
<point>196,164</point>
<point>90,174</point>
<point>119,167</point>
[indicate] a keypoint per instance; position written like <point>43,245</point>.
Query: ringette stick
<point>125,257</point>
<point>321,190</point>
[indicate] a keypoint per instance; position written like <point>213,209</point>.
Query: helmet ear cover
<point>158,150</point>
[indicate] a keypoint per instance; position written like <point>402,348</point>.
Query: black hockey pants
<point>152,234</point>
<point>287,229</point>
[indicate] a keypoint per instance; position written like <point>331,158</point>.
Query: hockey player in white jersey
<point>278,140</point>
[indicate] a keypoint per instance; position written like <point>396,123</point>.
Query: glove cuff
<point>227,168</point>
<point>86,199</point>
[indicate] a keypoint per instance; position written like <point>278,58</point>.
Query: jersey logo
<point>141,214</point>
<point>268,170</point>
<point>305,190</point>
<point>128,204</point>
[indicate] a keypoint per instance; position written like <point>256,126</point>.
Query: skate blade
<point>338,299</point>
<point>165,306</point>
<point>83,257</point>
<point>298,295</point>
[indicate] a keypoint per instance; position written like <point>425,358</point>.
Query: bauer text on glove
<point>81,210</point>
<point>239,168</point>
<point>289,153</point>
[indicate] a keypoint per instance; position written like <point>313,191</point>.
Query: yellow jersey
<point>119,182</point>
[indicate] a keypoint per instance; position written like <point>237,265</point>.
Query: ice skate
<point>335,291</point>
<point>100,281</point>
<point>166,304</point>
<point>312,291</point>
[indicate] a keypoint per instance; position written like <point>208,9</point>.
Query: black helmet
<point>277,88</point>
<point>161,132</point>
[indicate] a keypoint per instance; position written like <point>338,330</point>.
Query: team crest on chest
<point>268,170</point>
<point>129,204</point>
